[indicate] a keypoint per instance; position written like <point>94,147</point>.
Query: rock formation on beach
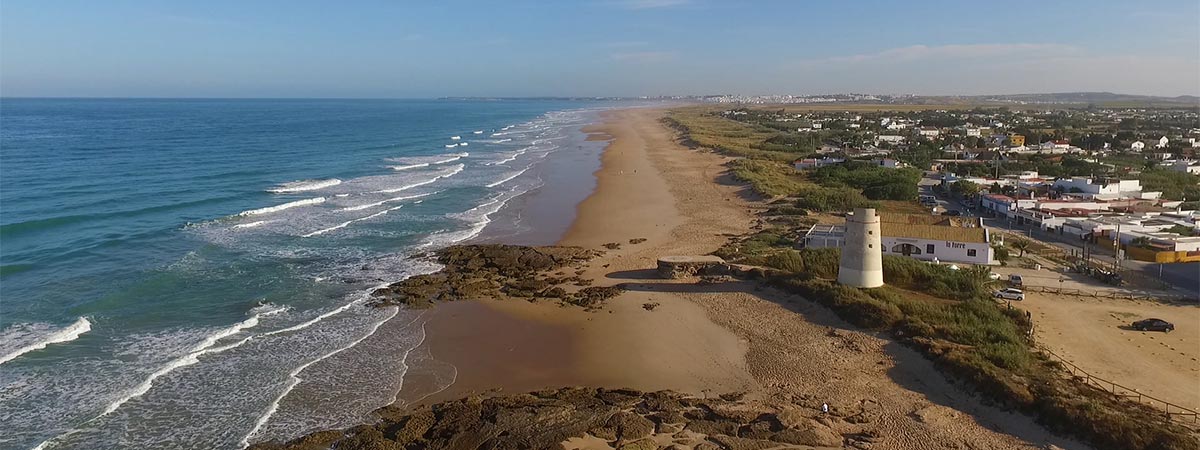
<point>497,271</point>
<point>577,418</point>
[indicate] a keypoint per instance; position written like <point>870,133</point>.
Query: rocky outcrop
<point>550,419</point>
<point>474,272</point>
<point>685,266</point>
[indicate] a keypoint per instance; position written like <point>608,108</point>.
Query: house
<point>1162,142</point>
<point>974,132</point>
<point>919,236</point>
<point>1104,189</point>
<point>1016,140</point>
<point>888,163</point>
<point>928,131</point>
<point>812,163</point>
<point>1137,146</point>
<point>890,138</point>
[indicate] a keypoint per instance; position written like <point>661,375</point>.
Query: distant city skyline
<point>614,48</point>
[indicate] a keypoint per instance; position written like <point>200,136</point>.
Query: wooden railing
<point>1173,411</point>
<point>1111,294</point>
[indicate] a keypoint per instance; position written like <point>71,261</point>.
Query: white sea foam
<point>478,132</point>
<point>348,222</point>
<point>500,141</point>
<point>381,202</point>
<point>444,174</point>
<point>271,209</point>
<point>66,334</point>
<point>204,347</point>
<point>304,185</point>
<point>451,145</point>
<point>464,144</point>
<point>294,378</point>
<point>409,166</point>
<point>416,164</point>
<point>251,224</point>
<point>455,138</point>
<point>508,178</point>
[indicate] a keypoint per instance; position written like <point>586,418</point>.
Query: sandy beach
<point>703,339</point>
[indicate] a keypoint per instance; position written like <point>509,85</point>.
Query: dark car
<point>1153,325</point>
<point>953,212</point>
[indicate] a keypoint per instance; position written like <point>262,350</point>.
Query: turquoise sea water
<point>192,273</point>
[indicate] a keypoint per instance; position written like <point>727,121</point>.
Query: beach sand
<point>703,339</point>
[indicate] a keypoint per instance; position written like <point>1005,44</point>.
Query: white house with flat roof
<point>1104,189</point>
<point>919,236</point>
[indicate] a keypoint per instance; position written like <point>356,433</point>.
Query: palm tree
<point>1022,245</point>
<point>979,279</point>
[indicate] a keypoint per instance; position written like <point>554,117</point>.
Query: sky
<point>418,49</point>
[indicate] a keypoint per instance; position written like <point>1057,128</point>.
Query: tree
<point>1002,255</point>
<point>1022,245</point>
<point>965,188</point>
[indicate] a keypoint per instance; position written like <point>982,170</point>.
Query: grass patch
<point>768,178</point>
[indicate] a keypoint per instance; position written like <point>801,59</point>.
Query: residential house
<point>919,236</point>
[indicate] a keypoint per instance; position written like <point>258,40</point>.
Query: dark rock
<point>630,426</point>
<point>592,297</point>
<point>637,240</point>
<point>649,306</point>
<point>612,245</point>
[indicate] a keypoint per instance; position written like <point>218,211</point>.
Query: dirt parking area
<point>1094,335</point>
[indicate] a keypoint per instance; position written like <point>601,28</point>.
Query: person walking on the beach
<point>824,408</point>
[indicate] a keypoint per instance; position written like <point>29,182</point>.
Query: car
<point>1153,325</point>
<point>1010,294</point>
<point>1015,280</point>
<point>952,213</point>
<point>993,276</point>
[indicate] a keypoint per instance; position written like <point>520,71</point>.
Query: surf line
<point>67,334</point>
<point>294,376</point>
<point>205,347</point>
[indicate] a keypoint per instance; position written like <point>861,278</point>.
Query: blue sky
<point>595,47</point>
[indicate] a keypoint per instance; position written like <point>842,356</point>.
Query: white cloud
<point>643,57</point>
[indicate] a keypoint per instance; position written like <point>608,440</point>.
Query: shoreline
<point>649,354</point>
<point>777,349</point>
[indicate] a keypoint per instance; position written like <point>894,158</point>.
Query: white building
<point>812,163</point>
<point>924,237</point>
<point>890,138</point>
<point>1162,142</point>
<point>928,131</point>
<point>1104,189</point>
<point>1137,146</point>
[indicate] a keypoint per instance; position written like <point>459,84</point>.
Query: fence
<point>1119,295</point>
<point>1173,411</point>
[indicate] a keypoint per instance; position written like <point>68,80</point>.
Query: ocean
<point>195,273</point>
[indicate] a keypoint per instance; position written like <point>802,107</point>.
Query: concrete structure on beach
<point>862,260</point>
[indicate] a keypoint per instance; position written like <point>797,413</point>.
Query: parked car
<point>1015,280</point>
<point>1153,325</point>
<point>1010,294</point>
<point>953,212</point>
<point>993,276</point>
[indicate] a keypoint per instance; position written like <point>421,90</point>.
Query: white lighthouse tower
<point>862,257</point>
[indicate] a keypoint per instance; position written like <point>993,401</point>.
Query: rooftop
<point>937,228</point>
